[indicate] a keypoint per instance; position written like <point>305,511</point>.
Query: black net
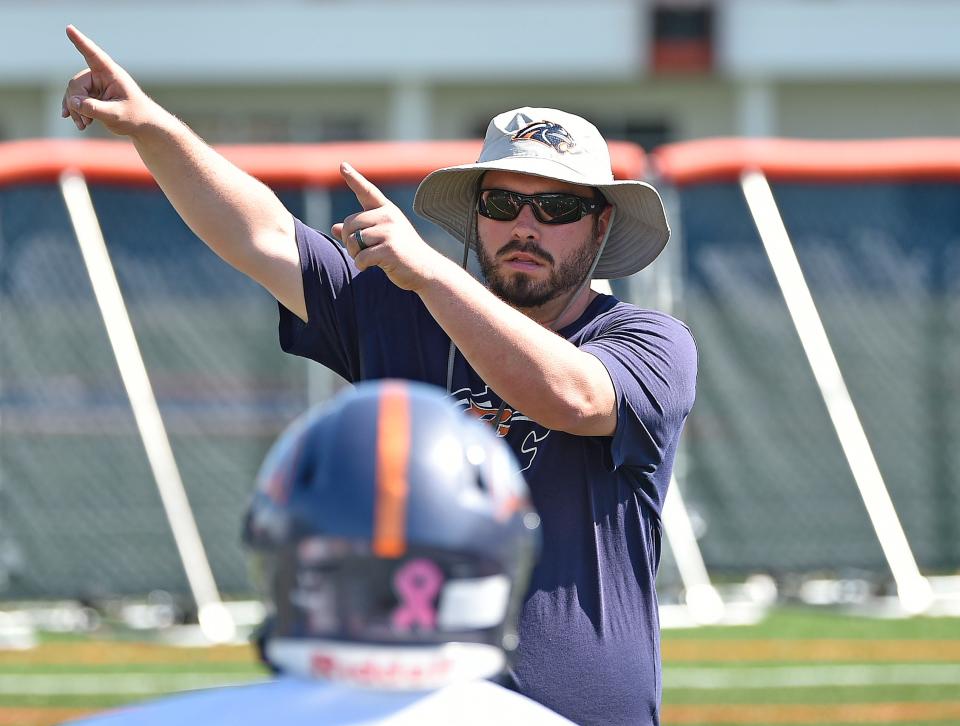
<point>766,470</point>
<point>80,504</point>
<point>80,514</point>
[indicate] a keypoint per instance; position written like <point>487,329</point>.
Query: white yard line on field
<point>752,677</point>
<point>813,675</point>
<point>88,684</point>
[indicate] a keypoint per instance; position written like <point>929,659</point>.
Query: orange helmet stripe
<point>393,454</point>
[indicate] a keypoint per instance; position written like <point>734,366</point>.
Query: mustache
<point>528,248</point>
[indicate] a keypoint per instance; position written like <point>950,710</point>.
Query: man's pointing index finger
<point>96,58</point>
<point>367,193</point>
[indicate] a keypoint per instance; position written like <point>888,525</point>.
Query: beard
<point>523,291</point>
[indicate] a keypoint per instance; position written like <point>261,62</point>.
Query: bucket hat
<point>557,145</point>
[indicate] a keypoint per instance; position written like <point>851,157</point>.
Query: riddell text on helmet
<point>379,674</point>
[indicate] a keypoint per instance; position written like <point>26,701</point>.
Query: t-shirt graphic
<point>480,405</point>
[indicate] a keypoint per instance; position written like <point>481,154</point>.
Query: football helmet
<point>395,537</point>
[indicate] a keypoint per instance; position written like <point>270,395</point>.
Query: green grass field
<point>804,666</point>
<point>797,666</point>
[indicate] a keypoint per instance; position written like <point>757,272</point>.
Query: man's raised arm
<point>236,215</point>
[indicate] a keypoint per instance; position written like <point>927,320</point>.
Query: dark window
<point>683,22</point>
<point>682,38</point>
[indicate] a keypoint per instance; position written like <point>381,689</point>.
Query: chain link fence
<point>762,470</point>
<point>80,515</point>
<point>79,502</point>
<point>766,472</point>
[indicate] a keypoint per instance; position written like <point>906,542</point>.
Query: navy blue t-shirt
<point>589,631</point>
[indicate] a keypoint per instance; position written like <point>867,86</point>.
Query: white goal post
<point>216,621</point>
<point>913,589</point>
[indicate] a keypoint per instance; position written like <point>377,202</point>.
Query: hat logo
<point>547,132</point>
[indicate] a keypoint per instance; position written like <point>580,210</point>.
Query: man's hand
<point>390,241</point>
<point>104,92</point>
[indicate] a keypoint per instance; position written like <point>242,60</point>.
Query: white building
<point>652,71</point>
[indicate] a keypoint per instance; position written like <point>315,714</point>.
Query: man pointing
<point>591,393</point>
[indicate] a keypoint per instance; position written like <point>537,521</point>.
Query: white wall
<point>875,110</point>
<point>841,39</point>
<point>309,69</point>
<point>299,40</point>
<point>695,107</point>
<point>309,108</point>
<point>21,111</point>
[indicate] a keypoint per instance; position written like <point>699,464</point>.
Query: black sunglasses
<point>550,208</point>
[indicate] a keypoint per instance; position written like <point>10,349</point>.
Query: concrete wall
<point>303,70</point>
<point>870,110</point>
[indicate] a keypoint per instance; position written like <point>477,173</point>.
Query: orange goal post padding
<point>724,159</point>
<point>282,165</point>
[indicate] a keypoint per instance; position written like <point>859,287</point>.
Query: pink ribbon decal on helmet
<point>416,584</point>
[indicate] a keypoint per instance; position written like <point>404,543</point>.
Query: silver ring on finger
<point>358,236</point>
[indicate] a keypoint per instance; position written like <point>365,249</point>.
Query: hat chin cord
<point>596,260</point>
<point>586,282</point>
